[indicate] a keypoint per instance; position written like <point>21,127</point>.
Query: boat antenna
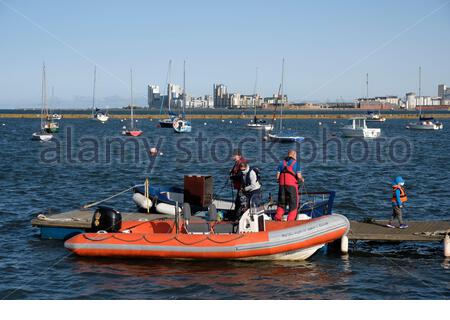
<point>282,95</point>
<point>367,86</point>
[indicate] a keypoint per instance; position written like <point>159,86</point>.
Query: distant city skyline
<point>329,48</point>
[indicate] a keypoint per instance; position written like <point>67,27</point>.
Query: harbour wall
<point>226,116</point>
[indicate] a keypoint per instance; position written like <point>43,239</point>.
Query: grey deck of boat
<point>374,231</point>
<point>81,219</point>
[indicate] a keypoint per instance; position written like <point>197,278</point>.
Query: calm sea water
<point>79,167</point>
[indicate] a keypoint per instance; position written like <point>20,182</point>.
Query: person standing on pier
<point>250,193</point>
<point>288,175</point>
<point>236,178</point>
<point>398,199</point>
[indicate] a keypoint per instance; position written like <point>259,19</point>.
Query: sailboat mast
<point>52,98</point>
<point>282,95</point>
<point>184,87</point>
<point>44,112</point>
<point>420,81</point>
<point>420,90</point>
<point>168,85</point>
<point>254,91</point>
<point>93,90</point>
<point>131,98</point>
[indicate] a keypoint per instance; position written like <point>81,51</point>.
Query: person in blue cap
<point>398,199</point>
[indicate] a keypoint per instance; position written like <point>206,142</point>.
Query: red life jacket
<point>287,176</point>
<point>235,173</point>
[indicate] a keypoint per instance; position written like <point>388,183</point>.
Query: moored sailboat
<point>181,124</point>
<point>97,114</point>
<point>258,124</point>
<point>283,136</point>
<point>167,122</point>
<point>132,130</point>
<point>424,123</point>
<point>43,134</point>
<point>375,117</point>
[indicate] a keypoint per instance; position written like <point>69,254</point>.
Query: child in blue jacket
<point>398,199</point>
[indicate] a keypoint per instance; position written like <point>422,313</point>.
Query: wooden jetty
<point>418,231</point>
<point>63,225</point>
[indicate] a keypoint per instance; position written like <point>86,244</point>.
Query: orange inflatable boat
<point>251,238</point>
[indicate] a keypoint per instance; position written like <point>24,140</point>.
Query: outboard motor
<point>106,219</point>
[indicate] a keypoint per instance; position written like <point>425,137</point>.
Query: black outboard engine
<point>106,219</point>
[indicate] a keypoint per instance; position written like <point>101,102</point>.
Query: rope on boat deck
<point>86,206</point>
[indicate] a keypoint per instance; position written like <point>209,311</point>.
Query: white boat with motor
<point>358,129</point>
<point>42,136</point>
<point>375,117</point>
<point>259,124</point>
<point>284,137</point>
<point>425,123</point>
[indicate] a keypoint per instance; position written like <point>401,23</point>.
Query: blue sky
<point>329,46</point>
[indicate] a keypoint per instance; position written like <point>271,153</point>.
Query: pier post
<point>344,244</point>
<point>447,246</point>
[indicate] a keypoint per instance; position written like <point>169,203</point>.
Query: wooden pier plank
<point>82,219</point>
<point>417,231</point>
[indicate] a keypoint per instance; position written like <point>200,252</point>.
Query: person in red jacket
<point>288,175</point>
<point>235,172</point>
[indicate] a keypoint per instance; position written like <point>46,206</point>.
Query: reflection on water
<point>226,279</point>
<point>32,268</point>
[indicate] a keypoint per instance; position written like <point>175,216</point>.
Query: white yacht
<point>358,129</point>
<point>97,114</point>
<point>425,123</point>
<point>259,124</point>
<point>44,134</point>
<point>375,117</point>
<point>282,136</point>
